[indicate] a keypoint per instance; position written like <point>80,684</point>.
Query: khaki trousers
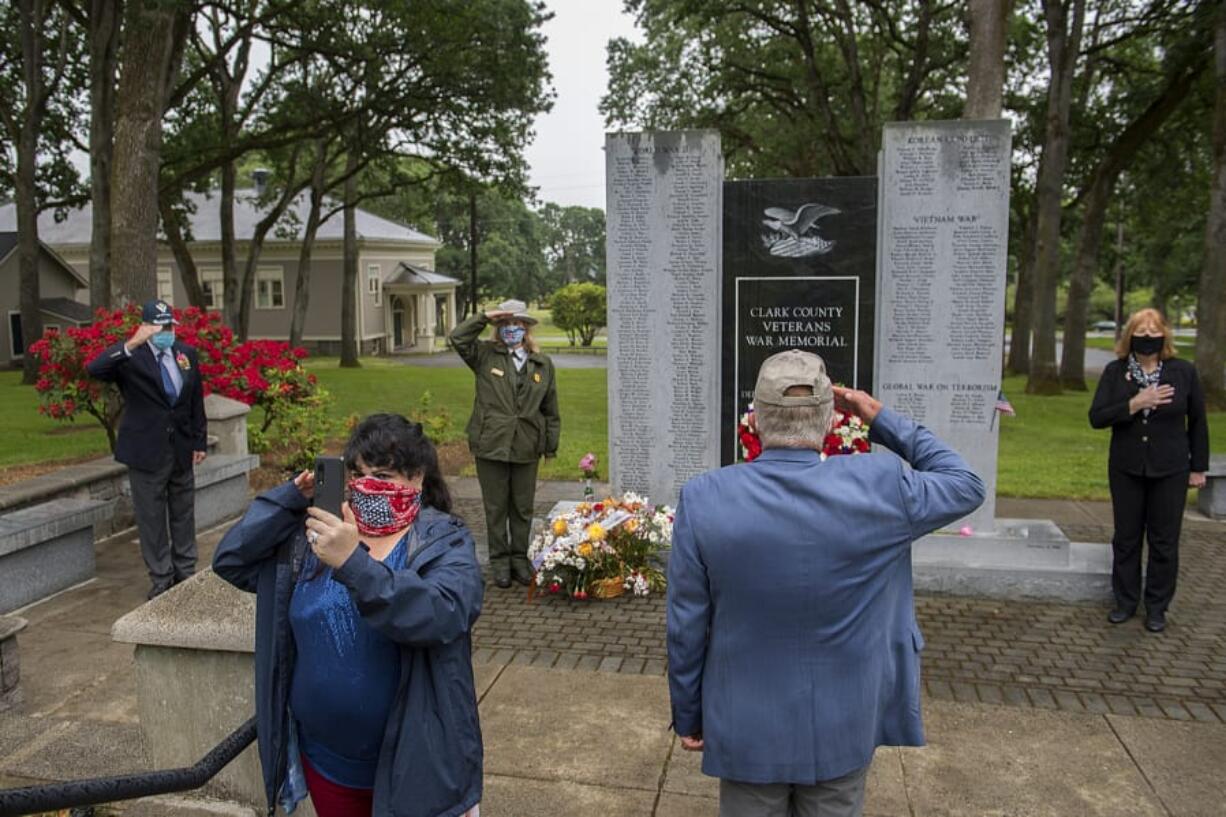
<point>508,492</point>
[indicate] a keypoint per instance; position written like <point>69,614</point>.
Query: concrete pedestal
<point>195,680</point>
<point>1021,558</point>
<point>221,487</point>
<point>1211,500</point>
<point>46,548</point>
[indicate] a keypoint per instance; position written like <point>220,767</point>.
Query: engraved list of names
<point>663,255</point>
<point>944,236</point>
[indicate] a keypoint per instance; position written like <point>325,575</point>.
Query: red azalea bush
<point>263,373</point>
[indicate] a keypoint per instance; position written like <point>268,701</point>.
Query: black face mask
<point>1144,345</point>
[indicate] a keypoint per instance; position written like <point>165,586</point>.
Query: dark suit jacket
<point>1174,437</point>
<point>151,429</point>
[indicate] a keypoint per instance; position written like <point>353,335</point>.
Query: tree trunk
<point>231,283</point>
<point>1120,275</point>
<point>104,16</point>
<point>1023,301</point>
<point>153,35</point>
<point>302,286</point>
<point>986,68</point>
<point>349,280</point>
<point>32,16</point>
<point>27,242</point>
<point>474,298</point>
<point>1063,46</point>
<point>1120,154</point>
<point>188,274</point>
<point>1211,296</point>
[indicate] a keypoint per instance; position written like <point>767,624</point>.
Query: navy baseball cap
<point>157,312</point>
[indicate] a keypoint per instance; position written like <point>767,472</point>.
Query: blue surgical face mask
<point>511,335</point>
<point>164,340</point>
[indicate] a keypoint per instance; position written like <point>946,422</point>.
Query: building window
<point>374,284</point>
<point>166,286</point>
<point>270,288</point>
<point>214,289</point>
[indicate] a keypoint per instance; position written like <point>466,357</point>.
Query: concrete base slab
<point>986,761</point>
<point>73,662</point>
<point>177,806</point>
<point>1021,558</point>
<point>684,774</point>
<point>594,728</point>
<point>484,676</point>
<point>505,795</point>
<point>682,805</point>
<point>83,750</point>
<point>886,789</point>
<point>1184,762</point>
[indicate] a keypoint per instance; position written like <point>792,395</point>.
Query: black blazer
<point>152,430</point>
<point>1174,437</point>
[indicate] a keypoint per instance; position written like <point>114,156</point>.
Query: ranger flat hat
<point>518,310</point>
<point>793,368</point>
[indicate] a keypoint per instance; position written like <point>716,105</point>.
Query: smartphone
<point>329,484</point>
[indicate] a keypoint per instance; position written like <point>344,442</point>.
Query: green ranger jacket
<point>515,414</point>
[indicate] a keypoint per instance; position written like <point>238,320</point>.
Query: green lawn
<point>28,437</point>
<point>1047,450</point>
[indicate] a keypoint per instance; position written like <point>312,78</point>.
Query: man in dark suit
<point>162,435</point>
<point>793,649</point>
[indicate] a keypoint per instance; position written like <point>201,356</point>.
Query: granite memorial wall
<point>663,256</point>
<point>944,239</point>
<point>799,273</point>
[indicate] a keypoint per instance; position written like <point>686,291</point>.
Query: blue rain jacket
<point>430,762</point>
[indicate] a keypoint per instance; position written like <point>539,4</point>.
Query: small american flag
<point>1003,405</point>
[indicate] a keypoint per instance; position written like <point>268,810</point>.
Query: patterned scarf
<point>1138,375</point>
<point>381,508</point>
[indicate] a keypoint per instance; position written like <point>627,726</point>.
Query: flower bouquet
<point>849,436</point>
<point>587,466</point>
<point>603,549</point>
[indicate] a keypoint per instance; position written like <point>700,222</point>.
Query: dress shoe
<point>1155,622</point>
<point>523,579</point>
<point>157,590</point>
<point>502,581</point>
<point>1120,615</point>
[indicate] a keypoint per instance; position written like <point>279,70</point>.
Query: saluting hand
<point>141,335</point>
<point>860,403</point>
<point>332,539</point>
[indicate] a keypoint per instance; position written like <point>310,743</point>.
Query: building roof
<point>413,275</point>
<point>74,311</point>
<point>8,245</point>
<point>206,225</point>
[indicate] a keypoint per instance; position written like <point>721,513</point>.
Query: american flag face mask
<point>381,508</point>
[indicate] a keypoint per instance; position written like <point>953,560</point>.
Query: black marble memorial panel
<point>799,272</point>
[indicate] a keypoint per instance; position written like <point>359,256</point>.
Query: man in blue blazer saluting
<point>162,435</point>
<point>793,648</point>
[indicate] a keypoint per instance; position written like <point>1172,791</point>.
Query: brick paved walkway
<point>1022,653</point>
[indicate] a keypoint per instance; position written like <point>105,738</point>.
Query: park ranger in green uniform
<point>514,422</point>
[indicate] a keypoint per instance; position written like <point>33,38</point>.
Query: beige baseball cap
<point>793,368</point>
<point>518,310</point>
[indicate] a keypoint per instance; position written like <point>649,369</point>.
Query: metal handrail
<point>98,790</point>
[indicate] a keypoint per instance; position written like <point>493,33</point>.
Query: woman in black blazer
<point>1159,447</point>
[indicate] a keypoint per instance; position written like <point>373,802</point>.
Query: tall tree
<point>36,67</point>
<point>1211,297</point>
<point>350,338</point>
<point>1191,58</point>
<point>1064,21</point>
<point>155,33</point>
<point>798,89</point>
<point>989,23</point>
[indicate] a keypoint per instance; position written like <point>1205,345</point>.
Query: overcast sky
<point>567,157</point>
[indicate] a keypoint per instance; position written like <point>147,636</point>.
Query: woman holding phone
<point>364,686</point>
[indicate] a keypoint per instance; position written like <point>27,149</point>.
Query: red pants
<point>334,800</point>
